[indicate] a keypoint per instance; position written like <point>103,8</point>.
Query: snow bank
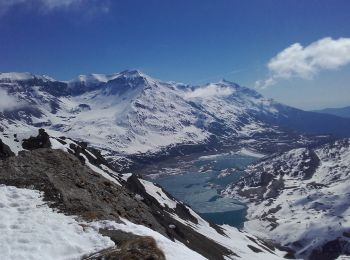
<point>29,229</point>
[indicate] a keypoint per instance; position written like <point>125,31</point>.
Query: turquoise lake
<point>198,183</point>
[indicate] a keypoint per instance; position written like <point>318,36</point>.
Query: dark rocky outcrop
<point>331,250</point>
<point>74,188</point>
<point>5,151</point>
<point>41,141</point>
<point>129,247</point>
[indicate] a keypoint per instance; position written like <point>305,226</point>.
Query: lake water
<point>200,182</point>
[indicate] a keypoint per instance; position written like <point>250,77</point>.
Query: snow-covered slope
<point>131,113</point>
<point>29,229</point>
<point>301,199</point>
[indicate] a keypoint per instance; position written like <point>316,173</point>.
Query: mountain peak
<point>132,72</point>
<point>239,88</point>
<point>227,82</point>
<point>93,78</point>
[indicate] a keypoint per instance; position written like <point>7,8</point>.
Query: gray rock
<point>5,151</point>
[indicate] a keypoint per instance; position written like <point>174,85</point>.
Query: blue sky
<point>191,41</point>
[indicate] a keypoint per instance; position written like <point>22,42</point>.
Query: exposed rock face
<point>73,187</point>
<point>5,151</point>
<point>130,247</point>
<point>41,141</point>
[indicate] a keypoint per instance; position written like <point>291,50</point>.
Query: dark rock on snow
<point>130,247</point>
<point>41,141</point>
<point>5,151</point>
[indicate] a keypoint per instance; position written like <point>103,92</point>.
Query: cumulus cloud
<point>49,5</point>
<point>297,61</point>
<point>211,90</point>
<point>8,102</point>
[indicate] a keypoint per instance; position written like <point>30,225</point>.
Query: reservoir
<point>198,183</point>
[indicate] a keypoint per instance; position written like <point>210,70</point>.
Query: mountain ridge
<point>341,111</point>
<point>132,114</point>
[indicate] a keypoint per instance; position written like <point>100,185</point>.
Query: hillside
<point>341,112</point>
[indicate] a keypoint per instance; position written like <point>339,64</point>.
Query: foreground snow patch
<point>29,229</point>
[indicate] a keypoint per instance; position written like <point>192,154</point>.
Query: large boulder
<point>41,141</point>
<point>5,151</point>
<point>130,247</point>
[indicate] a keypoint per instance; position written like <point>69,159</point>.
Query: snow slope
<point>29,229</point>
<point>303,190</point>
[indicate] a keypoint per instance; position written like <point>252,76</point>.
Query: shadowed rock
<point>41,141</point>
<point>132,247</point>
<point>5,151</point>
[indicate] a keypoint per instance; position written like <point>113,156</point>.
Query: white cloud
<point>52,4</point>
<point>297,61</point>
<point>211,90</point>
<point>8,102</point>
<point>49,5</point>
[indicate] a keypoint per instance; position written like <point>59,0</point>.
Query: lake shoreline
<point>199,180</point>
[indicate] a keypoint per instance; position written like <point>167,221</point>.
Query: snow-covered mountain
<point>130,113</point>
<point>301,199</point>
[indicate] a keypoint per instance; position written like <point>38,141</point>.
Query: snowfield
<point>29,229</point>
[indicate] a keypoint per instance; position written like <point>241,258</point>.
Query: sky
<point>297,52</point>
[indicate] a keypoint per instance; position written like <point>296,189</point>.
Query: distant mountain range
<point>131,115</point>
<point>341,112</point>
